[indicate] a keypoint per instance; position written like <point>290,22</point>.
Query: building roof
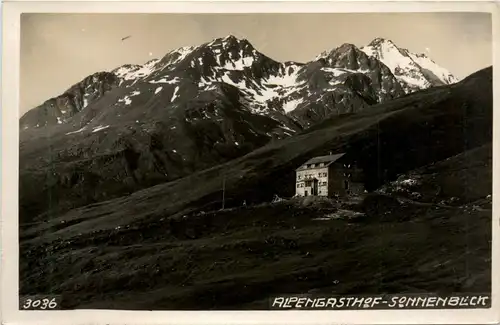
<point>323,159</point>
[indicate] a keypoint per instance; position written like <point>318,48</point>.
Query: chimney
<point>330,153</point>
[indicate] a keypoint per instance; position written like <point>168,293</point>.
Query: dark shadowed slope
<point>456,180</point>
<point>236,258</point>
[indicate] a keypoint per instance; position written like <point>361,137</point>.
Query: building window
<point>346,185</point>
<point>298,185</point>
<point>321,164</point>
<point>324,183</point>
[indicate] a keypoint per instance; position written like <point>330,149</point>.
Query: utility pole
<point>223,191</point>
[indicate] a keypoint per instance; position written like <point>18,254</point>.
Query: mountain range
<point>294,95</point>
<point>199,106</point>
<point>95,230</point>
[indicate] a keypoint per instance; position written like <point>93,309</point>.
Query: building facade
<point>330,176</point>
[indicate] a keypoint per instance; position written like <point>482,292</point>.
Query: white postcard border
<point>10,160</point>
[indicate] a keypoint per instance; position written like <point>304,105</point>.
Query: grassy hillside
<point>237,258</point>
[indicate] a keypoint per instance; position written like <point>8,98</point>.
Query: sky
<point>58,50</point>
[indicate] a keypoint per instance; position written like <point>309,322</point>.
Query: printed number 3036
<point>40,303</point>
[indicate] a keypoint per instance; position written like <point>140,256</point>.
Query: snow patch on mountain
<point>77,131</point>
<point>286,79</point>
<point>128,98</point>
<point>164,80</point>
<point>174,96</point>
<point>240,64</point>
<point>292,104</point>
<point>240,84</point>
<point>99,128</point>
<point>274,88</point>
<point>428,64</point>
<point>341,71</point>
<point>135,72</point>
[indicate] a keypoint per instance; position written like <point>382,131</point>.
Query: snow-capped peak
<point>413,71</point>
<point>230,37</point>
<point>380,41</point>
<point>229,41</point>
<point>346,79</point>
<point>342,48</point>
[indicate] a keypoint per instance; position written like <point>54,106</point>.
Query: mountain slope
<point>387,140</point>
<point>192,255</point>
<point>197,107</point>
<point>61,109</point>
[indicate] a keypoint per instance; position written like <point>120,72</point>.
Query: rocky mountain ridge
<point>343,80</point>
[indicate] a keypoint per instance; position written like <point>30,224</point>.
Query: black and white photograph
<point>255,161</point>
